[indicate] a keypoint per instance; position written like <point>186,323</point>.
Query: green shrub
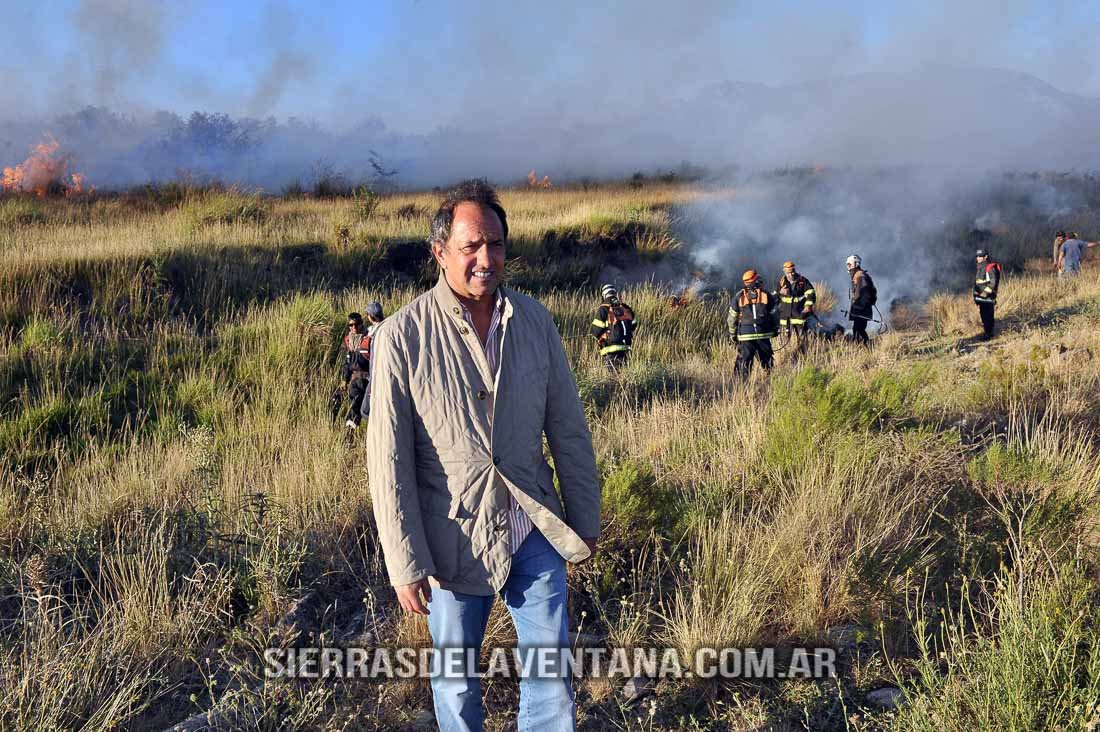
<point>1027,657</point>
<point>837,403</point>
<point>1003,465</point>
<point>638,503</point>
<point>41,334</point>
<point>366,203</point>
<point>223,207</point>
<point>20,211</point>
<point>197,398</point>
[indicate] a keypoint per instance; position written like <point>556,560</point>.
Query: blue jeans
<point>535,596</point>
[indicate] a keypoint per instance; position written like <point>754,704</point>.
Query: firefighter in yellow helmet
<point>752,323</point>
<point>796,303</point>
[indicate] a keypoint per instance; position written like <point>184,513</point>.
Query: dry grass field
<point>172,483</point>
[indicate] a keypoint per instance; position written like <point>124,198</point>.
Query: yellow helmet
<point>749,277</point>
<point>788,264</point>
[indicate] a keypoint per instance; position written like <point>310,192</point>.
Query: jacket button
<point>481,394</point>
<point>463,331</point>
<point>456,311</point>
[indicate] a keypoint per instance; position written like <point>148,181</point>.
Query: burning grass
<point>44,173</point>
<point>175,483</point>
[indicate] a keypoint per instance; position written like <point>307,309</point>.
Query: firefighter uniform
<point>862,295</point>
<point>613,328</point>
<point>987,279</point>
<point>752,324</point>
<point>796,304</point>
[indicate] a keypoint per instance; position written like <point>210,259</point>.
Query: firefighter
<point>862,296</point>
<point>752,323</point>
<point>796,303</point>
<point>986,281</point>
<point>613,328</point>
<point>357,361</point>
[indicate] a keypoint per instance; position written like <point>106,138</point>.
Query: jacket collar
<point>449,302</point>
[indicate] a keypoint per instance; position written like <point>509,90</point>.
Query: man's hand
<point>591,547</point>
<point>409,597</point>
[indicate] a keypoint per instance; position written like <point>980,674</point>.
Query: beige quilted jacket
<point>446,443</point>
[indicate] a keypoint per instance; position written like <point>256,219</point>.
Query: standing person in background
<point>356,367</point>
<point>796,304</point>
<point>613,328</point>
<point>862,298</point>
<point>1071,254</point>
<point>375,315</point>
<point>752,323</point>
<point>1056,253</point>
<point>467,379</point>
<point>986,282</point>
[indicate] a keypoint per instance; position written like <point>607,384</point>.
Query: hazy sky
<point>422,64</point>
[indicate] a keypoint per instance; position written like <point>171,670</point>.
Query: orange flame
<point>534,182</point>
<point>44,172</point>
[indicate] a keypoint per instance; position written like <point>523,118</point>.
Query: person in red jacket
<point>986,282</point>
<point>357,361</point>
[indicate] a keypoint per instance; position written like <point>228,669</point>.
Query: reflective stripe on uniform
<point>755,336</point>
<point>614,349</point>
<point>599,323</point>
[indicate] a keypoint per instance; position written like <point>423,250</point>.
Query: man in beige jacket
<point>466,380</point>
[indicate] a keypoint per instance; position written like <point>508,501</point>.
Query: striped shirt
<point>519,523</point>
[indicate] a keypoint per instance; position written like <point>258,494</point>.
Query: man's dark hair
<point>1059,233</point>
<point>355,318</point>
<point>475,190</point>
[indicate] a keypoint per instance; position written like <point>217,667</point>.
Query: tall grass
<point>172,480</point>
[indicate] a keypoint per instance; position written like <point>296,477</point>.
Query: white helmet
<point>854,260</point>
<point>608,291</point>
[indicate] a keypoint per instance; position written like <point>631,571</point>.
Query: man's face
<point>850,265</point>
<point>355,326</point>
<point>789,273</point>
<point>1059,239</point>
<point>981,259</point>
<point>473,257</point>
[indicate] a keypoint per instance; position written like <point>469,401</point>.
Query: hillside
<point>175,496</point>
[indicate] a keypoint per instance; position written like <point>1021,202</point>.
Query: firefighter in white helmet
<point>862,295</point>
<point>613,328</point>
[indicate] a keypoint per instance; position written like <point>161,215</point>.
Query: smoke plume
<point>921,106</point>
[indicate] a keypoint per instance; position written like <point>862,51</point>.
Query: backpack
<point>625,316</point>
<point>872,291</point>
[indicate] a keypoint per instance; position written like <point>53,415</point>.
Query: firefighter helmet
<point>854,261</point>
<point>608,292</point>
<point>788,264</point>
<point>749,277</point>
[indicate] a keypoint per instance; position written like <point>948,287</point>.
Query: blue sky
<point>415,63</point>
